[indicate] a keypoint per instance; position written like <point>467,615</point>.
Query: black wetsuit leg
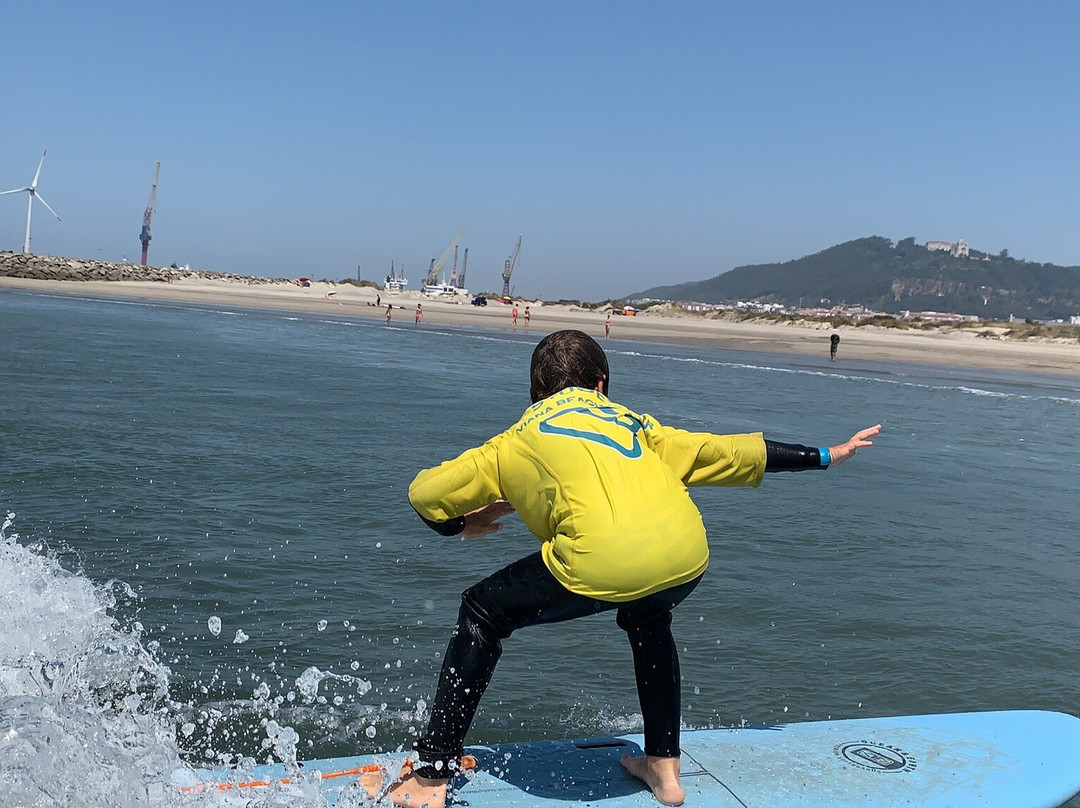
<point>647,623</point>
<point>522,594</point>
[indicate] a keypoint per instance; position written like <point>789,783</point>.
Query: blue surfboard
<point>1012,759</point>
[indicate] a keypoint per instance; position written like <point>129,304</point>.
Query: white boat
<point>398,282</point>
<point>431,285</point>
<point>444,290</point>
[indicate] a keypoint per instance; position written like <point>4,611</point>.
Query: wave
<point>85,714</point>
<point>81,697</point>
<point>856,377</point>
<point>142,304</point>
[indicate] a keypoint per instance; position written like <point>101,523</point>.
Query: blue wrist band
<point>825,458</point>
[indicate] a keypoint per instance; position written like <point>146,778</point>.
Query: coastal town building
<point>958,249</point>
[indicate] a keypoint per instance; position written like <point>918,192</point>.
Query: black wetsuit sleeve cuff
<point>451,527</point>
<point>791,457</point>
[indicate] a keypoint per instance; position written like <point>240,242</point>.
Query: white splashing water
<point>81,719</point>
<point>85,718</point>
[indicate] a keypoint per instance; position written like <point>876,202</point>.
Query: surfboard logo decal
<point>876,757</point>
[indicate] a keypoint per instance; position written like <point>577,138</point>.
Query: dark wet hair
<point>567,359</point>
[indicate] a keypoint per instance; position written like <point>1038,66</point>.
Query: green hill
<point>895,277</point>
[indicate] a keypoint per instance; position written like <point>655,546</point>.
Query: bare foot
<point>660,774</point>
<point>410,789</point>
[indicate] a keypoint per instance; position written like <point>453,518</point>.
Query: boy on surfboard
<point>605,491</point>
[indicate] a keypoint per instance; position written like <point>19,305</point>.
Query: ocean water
<point>209,557</point>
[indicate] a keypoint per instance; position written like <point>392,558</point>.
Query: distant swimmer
<point>834,343</point>
<point>419,314</point>
<point>389,312</point>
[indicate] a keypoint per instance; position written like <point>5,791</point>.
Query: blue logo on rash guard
<point>608,415</point>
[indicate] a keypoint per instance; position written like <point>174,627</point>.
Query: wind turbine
<point>32,190</point>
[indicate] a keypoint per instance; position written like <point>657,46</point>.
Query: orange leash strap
<point>468,763</point>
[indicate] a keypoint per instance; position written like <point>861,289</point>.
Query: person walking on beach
<point>378,300</point>
<point>607,326</point>
<point>527,318</point>
<point>513,314</point>
<point>603,488</point>
<point>389,312</point>
<point>834,343</point>
<point>419,314</point>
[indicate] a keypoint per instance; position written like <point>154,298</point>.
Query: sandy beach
<point>942,346</point>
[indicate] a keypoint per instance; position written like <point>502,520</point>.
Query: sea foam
<point>85,714</point>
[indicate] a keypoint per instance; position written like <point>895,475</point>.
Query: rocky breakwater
<point>52,268</point>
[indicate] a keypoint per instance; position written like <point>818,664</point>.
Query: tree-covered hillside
<point>896,277</point>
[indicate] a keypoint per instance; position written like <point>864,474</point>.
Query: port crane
<point>464,264</point>
<point>508,269</point>
<point>148,214</point>
<point>437,264</point>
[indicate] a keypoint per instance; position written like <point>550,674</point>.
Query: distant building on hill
<point>939,316</point>
<point>960,249</point>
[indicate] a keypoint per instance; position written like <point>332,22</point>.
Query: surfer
<point>604,489</point>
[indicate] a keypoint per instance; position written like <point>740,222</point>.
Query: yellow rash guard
<point>602,487</point>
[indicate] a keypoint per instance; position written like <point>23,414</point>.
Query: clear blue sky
<point>632,144</point>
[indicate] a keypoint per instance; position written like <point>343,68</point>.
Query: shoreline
<point>943,346</point>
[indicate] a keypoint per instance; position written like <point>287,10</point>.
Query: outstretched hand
<point>485,520</point>
<point>845,451</point>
